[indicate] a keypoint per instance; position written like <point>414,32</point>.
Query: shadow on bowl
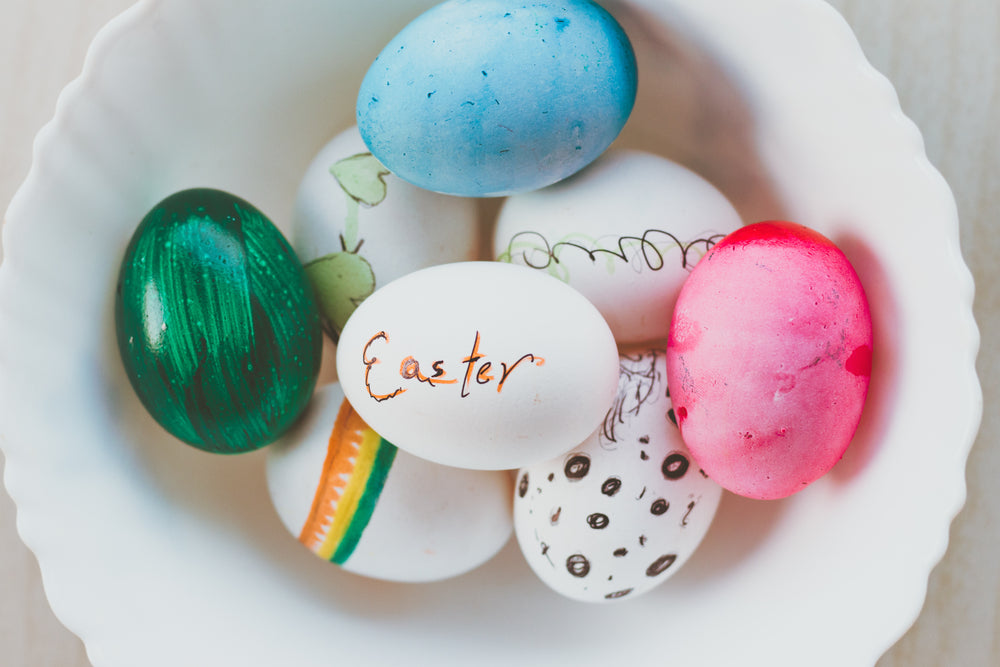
<point>689,110</point>
<point>883,390</point>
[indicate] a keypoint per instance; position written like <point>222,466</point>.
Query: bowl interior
<point>182,552</point>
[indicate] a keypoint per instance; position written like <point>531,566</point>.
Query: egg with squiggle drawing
<point>621,513</point>
<point>625,232</point>
<point>354,499</point>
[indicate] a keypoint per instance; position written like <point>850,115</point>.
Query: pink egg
<point>769,359</point>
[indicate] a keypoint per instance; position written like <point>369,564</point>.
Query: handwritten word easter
<point>478,369</point>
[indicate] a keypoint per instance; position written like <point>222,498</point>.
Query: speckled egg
<point>769,358</point>
<point>625,232</point>
<point>216,323</point>
<point>354,499</point>
<point>479,365</point>
<point>357,227</point>
<point>621,513</point>
<point>489,97</point>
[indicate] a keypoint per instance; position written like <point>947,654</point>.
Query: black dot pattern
<point>611,486</point>
<point>660,565</point>
<point>675,466</point>
<point>618,594</point>
<point>577,467</point>
<point>579,566</point>
<point>614,517</point>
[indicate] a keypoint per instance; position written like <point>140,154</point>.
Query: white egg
<point>621,513</point>
<point>479,365</point>
<point>625,232</point>
<point>356,500</point>
<point>356,227</point>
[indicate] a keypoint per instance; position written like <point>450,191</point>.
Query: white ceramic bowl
<point>156,554</point>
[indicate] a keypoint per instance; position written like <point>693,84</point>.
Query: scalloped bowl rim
<point>35,518</point>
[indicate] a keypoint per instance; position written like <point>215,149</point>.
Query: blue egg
<point>488,97</point>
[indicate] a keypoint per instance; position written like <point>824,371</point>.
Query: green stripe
<point>366,505</point>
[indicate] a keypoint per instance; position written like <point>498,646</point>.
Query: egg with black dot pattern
<point>621,513</point>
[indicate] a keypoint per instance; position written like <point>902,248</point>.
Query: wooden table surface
<point>944,59</point>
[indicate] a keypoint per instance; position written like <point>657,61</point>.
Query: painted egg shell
<point>357,227</point>
<point>622,512</point>
<point>626,232</point>
<point>479,365</point>
<point>354,499</point>
<point>216,322</point>
<point>488,97</point>
<point>769,359</point>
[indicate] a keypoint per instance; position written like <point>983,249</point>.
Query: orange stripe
<point>344,445</point>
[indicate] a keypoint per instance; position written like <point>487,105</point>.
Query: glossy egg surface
<point>216,324</point>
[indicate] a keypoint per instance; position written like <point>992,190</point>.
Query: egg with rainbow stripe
<point>355,500</point>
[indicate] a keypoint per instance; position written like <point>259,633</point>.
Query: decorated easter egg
<point>626,232</point>
<point>216,323</point>
<point>354,499</point>
<point>769,358</point>
<point>356,227</point>
<point>487,97</point>
<point>479,365</point>
<point>621,513</point>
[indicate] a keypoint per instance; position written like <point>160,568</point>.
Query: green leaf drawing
<point>341,280</point>
<point>362,177</point>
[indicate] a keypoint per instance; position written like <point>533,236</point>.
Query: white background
<point>943,56</point>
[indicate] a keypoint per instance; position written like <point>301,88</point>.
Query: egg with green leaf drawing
<point>356,227</point>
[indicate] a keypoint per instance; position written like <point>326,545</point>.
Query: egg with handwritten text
<point>489,97</point>
<point>626,232</point>
<point>479,365</point>
<point>357,227</point>
<point>769,358</point>
<point>354,499</point>
<point>621,513</point>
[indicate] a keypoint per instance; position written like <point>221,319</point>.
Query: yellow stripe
<point>348,502</point>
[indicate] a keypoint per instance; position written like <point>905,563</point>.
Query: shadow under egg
<point>688,109</point>
<point>227,489</point>
<point>740,527</point>
<point>880,403</point>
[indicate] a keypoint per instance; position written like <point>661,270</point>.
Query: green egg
<point>216,322</point>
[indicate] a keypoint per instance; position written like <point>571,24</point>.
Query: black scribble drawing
<point>638,383</point>
<point>544,548</point>
<point>690,507</point>
<point>644,252</point>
